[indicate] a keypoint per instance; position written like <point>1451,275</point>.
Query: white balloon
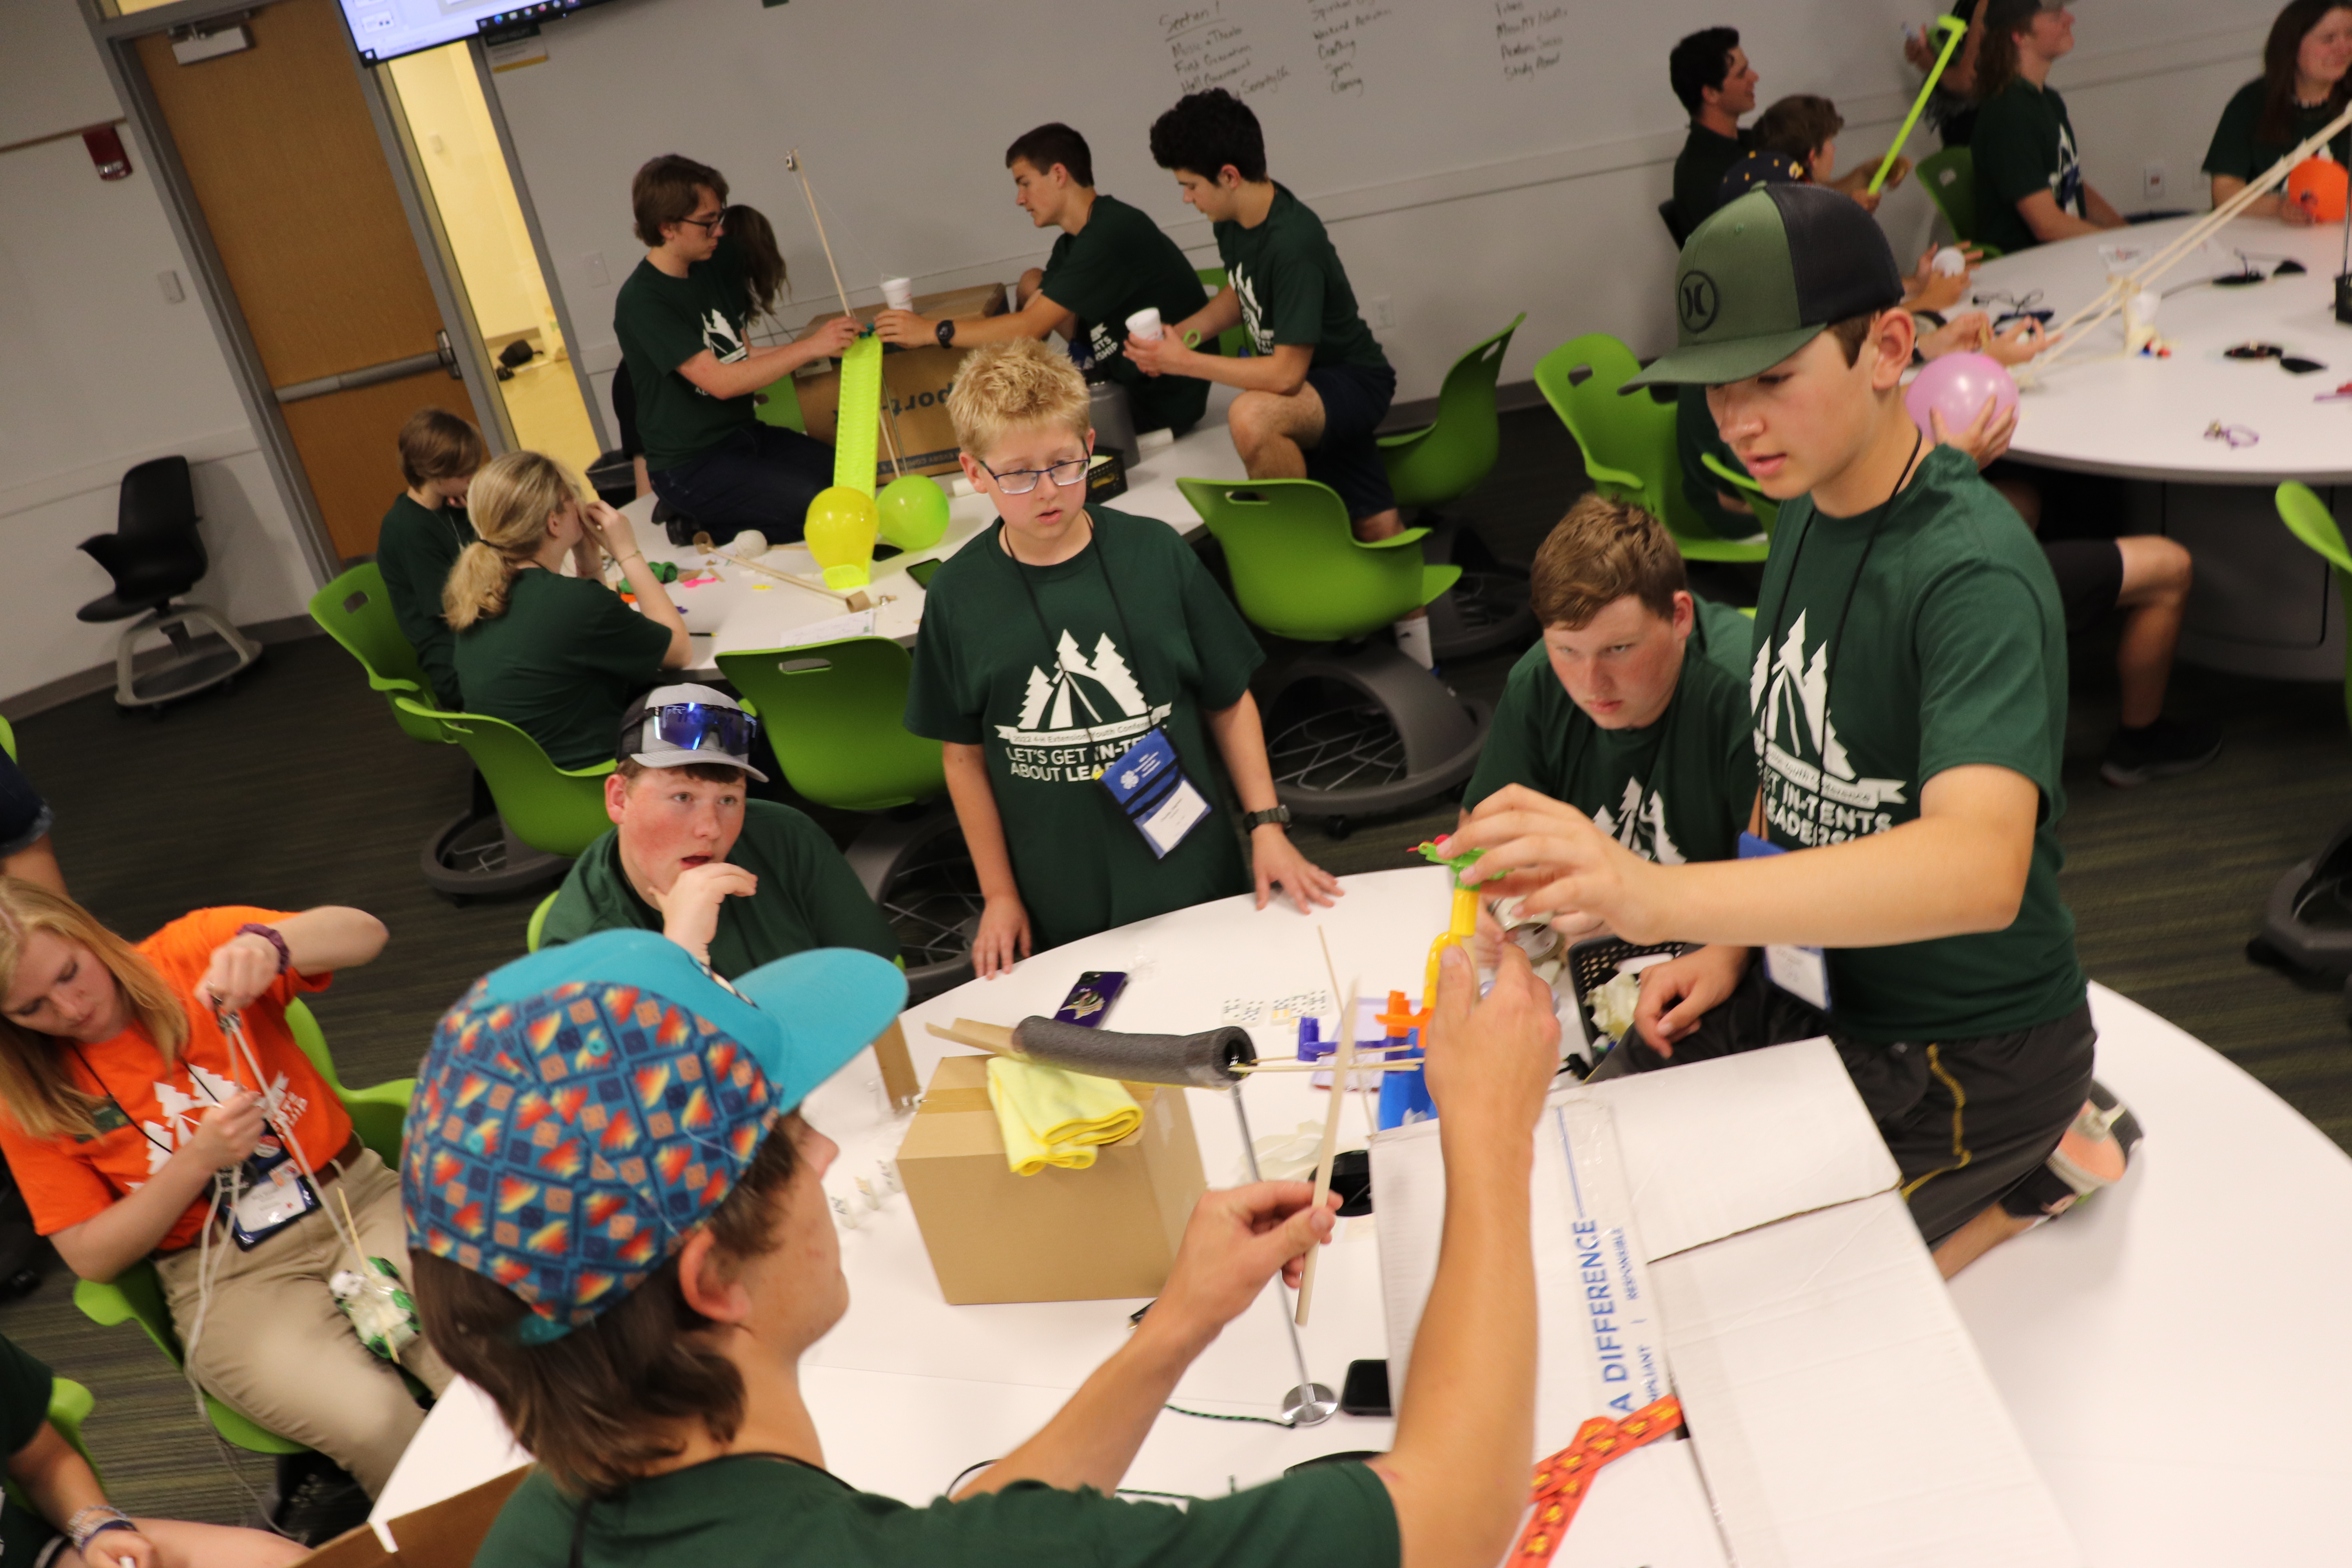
<point>1950,262</point>
<point>750,543</point>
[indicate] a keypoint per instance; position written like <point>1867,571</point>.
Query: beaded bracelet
<point>92,1521</point>
<point>270,935</point>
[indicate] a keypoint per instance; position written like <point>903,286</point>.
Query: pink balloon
<point>1957,386</point>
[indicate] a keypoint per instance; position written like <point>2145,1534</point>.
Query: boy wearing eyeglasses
<point>1077,663</point>
<point>683,317</point>
<point>737,882</point>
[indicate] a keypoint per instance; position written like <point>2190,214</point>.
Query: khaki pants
<point>275,1345</point>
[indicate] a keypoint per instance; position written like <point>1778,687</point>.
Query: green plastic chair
<point>1298,569</point>
<point>557,811</point>
<point>1766,509</point>
<point>136,1295</point>
<point>355,610</point>
<point>1444,461</point>
<point>7,740</point>
<point>2307,518</point>
<point>779,404</point>
<point>537,929</point>
<point>832,710</point>
<point>1949,178</point>
<point>1628,441</point>
<point>1234,341</point>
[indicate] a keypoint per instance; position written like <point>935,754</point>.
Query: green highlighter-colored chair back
<point>1628,440</point>
<point>1744,485</point>
<point>355,610</point>
<point>7,740</point>
<point>1949,178</point>
<point>2308,519</point>
<point>557,811</point>
<point>779,404</point>
<point>835,712</point>
<point>1442,462</point>
<point>1232,343</point>
<point>534,933</point>
<point>378,1113</point>
<point>1298,569</point>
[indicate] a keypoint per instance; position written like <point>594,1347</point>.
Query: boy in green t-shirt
<point>1109,262</point>
<point>1909,698</point>
<point>1316,385</point>
<point>640,1321</point>
<point>2030,184</point>
<point>735,881</point>
<point>1075,663</point>
<point>420,537</point>
<point>1710,74</point>
<point>682,317</point>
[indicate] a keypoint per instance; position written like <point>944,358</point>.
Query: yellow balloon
<point>913,511</point>
<point>840,528</point>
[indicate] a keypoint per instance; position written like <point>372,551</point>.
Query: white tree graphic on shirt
<point>1811,792</point>
<point>1080,716</point>
<point>1628,824</point>
<point>182,1111</point>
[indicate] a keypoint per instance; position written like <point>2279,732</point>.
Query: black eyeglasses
<point>706,225</point>
<point>1021,481</point>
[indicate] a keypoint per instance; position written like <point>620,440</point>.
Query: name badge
<point>1802,972</point>
<point>274,1194</point>
<point>1149,785</point>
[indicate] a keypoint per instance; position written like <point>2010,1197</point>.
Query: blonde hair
<point>1600,552</point>
<point>1006,386</point>
<point>511,501</point>
<point>32,1084</point>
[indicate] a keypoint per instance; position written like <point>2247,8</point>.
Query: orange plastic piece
<point>1401,1017</point>
<point>1563,1480</point>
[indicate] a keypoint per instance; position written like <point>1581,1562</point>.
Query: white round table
<point>2264,605</point>
<point>730,607</point>
<point>2174,1354</point>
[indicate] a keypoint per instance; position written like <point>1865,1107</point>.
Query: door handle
<point>441,357</point>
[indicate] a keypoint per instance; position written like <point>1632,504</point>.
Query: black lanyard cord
<point>1845,613</point>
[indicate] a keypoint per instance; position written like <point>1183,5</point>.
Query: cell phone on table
<point>1089,1000</point>
<point>1366,1391</point>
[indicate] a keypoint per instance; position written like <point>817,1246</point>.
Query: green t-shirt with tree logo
<point>1128,632</point>
<point>2023,142</point>
<point>561,664</point>
<point>780,1513</point>
<point>415,549</point>
<point>1292,287</point>
<point>1676,790</point>
<point>1119,263</point>
<point>2241,151</point>
<point>1953,655</point>
<point>808,897</point>
<point>664,321</point>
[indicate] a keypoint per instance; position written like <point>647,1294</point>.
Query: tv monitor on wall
<point>386,29</point>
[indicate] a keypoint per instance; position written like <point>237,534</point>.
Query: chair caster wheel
<point>1337,826</point>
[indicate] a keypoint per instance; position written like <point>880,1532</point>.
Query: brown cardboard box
<point>440,1535</point>
<point>914,384</point>
<point>1104,1233</point>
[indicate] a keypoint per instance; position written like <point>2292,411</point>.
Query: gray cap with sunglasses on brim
<point>641,741</point>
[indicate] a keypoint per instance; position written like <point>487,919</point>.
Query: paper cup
<point>1144,323</point>
<point>899,293</point>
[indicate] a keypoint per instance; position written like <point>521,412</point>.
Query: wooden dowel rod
<point>1342,1063</point>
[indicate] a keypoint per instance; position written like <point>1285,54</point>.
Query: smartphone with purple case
<point>1091,998</point>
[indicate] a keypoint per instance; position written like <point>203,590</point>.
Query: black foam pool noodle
<point>1205,1060</point>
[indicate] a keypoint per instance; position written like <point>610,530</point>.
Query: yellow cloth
<point>1050,1115</point>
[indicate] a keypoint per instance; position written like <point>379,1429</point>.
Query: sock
<point>1412,641</point>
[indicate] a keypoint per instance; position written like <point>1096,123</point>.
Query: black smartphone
<point>1366,1392</point>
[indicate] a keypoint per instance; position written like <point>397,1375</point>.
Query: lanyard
<point>1845,612</point>
<point>118,1105</point>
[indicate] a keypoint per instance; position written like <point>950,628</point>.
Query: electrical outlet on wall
<point>592,267</point>
<point>2152,181</point>
<point>1378,308</point>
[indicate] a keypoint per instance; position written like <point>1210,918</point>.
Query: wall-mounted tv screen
<point>386,29</point>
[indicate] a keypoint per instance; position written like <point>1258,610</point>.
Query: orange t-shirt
<point>69,1180</point>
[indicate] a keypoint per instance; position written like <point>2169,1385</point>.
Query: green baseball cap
<point>1761,277</point>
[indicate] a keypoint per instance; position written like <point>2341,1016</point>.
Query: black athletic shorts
<point>1356,398</point>
<point>2090,574</point>
<point>1965,1120</point>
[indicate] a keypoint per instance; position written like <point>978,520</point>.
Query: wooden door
<point>284,162</point>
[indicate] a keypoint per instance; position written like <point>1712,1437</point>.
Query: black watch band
<point>1280,815</point>
<point>946,332</point>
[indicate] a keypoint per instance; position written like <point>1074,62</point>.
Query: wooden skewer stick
<point>1360,1066</point>
<point>1341,1065</point>
<point>994,1038</point>
<point>1348,1023</point>
<point>792,162</point>
<point>2121,289</point>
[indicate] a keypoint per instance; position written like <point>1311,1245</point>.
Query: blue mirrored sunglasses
<point>701,727</point>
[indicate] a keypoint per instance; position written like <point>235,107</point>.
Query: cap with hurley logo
<point>1761,277</point>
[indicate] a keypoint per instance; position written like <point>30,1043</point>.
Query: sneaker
<point>2094,1153</point>
<point>2159,750</point>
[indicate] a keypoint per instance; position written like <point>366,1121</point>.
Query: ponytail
<point>511,501</point>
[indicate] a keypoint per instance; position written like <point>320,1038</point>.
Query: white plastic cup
<point>2139,320</point>
<point>899,293</point>
<point>1145,323</point>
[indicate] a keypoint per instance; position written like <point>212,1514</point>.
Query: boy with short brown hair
<point>420,537</point>
<point>1075,663</point>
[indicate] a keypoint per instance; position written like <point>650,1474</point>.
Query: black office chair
<point>154,555</point>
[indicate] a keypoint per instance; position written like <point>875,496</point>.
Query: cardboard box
<point>914,383</point>
<point>1107,1232</point>
<point>436,1536</point>
<point>1836,1411</point>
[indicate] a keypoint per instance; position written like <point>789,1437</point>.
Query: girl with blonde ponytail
<point>557,656</point>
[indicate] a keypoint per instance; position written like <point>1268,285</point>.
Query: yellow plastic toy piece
<point>859,425</point>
